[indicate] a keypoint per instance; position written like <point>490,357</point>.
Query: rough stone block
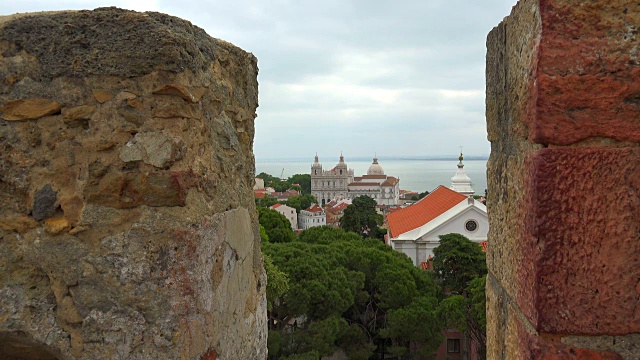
<point>123,233</point>
<point>562,100</point>
<point>588,82</point>
<point>583,237</point>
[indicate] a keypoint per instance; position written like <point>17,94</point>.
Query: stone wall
<point>127,222</point>
<point>563,118</point>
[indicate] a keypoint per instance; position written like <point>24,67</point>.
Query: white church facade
<point>340,183</point>
<point>415,230</point>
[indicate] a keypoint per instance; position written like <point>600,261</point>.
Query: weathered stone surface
<point>177,45</point>
<point>29,109</point>
<point>588,72</point>
<point>133,235</point>
<point>585,222</point>
<point>190,95</point>
<point>55,226</point>
<point>132,189</point>
<point>154,148</point>
<point>546,350</point>
<point>562,79</point>
<point>16,222</point>
<point>82,112</point>
<point>44,203</point>
<point>102,96</point>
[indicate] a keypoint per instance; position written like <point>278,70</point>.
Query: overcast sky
<point>400,78</point>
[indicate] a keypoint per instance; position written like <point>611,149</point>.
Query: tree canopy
<point>349,292</point>
<point>361,217</point>
<point>301,202</point>
<point>458,260</point>
<point>459,265</point>
<point>276,226</point>
<point>304,180</point>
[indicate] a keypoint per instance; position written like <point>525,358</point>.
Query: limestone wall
<point>563,117</point>
<point>127,223</point>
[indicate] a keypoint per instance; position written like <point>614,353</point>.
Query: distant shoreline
<point>381,159</point>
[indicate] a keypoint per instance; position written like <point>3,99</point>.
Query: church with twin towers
<point>340,183</point>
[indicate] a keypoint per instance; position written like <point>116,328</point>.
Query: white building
<point>312,216</point>
<point>288,212</point>
<point>259,184</point>
<point>339,183</point>
<point>414,230</point>
<point>327,185</point>
<point>460,182</point>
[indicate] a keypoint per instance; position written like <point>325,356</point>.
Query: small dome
<point>375,168</point>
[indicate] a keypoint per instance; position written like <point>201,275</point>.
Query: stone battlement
<point>127,222</point>
<point>563,79</point>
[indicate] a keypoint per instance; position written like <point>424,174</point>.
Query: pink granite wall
<point>563,118</point>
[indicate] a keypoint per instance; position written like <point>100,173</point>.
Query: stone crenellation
<point>127,223</point>
<point>563,79</point>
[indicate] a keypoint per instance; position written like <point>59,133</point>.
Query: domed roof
<point>375,168</point>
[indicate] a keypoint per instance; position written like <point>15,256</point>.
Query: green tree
<point>277,227</point>
<point>301,202</point>
<point>415,323</point>
<point>275,182</point>
<point>277,281</point>
<point>458,260</point>
<point>361,217</point>
<point>460,265</point>
<point>420,195</point>
<point>342,292</point>
<point>304,180</point>
<point>266,201</point>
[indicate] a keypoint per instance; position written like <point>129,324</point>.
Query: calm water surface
<point>415,174</point>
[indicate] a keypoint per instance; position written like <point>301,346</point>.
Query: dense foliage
<point>303,180</point>
<point>353,293</point>
<point>458,260</point>
<point>301,202</point>
<point>460,266</point>
<point>276,226</point>
<point>420,195</point>
<point>361,218</point>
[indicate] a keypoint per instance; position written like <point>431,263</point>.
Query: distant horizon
<point>370,158</point>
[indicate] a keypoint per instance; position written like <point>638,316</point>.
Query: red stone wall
<point>563,118</point>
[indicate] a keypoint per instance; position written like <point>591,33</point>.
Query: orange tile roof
<point>275,206</point>
<point>314,208</point>
<point>391,181</point>
<point>423,211</point>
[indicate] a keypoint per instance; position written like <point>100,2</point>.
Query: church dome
<point>375,168</point>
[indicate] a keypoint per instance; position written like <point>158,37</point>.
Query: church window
<point>471,225</point>
<point>315,172</point>
<point>340,171</point>
<point>453,345</point>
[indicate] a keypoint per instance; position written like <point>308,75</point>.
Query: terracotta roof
<point>259,193</point>
<point>407,192</point>
<point>314,208</point>
<point>423,211</point>
<point>357,178</point>
<point>275,206</point>
<point>391,181</point>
